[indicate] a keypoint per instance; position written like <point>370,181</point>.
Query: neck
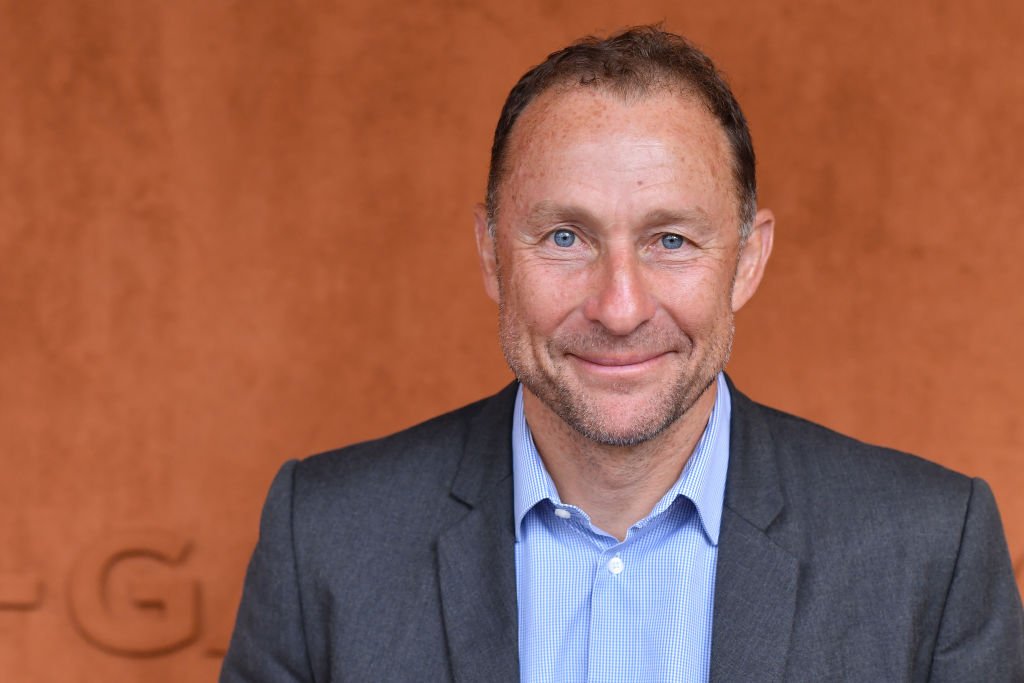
<point>616,486</point>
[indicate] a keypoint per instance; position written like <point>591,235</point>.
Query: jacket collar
<point>756,579</point>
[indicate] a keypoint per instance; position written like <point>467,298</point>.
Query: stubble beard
<point>579,412</point>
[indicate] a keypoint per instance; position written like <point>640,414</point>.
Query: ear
<point>485,248</point>
<point>753,258</point>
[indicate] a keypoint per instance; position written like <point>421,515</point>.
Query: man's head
<point>612,237</point>
<point>632,65</point>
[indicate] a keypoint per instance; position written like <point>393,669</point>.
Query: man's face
<point>615,259</point>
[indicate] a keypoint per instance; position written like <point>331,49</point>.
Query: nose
<point>621,300</point>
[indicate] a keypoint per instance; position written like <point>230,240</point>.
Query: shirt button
<point>616,565</point>
<point>562,514</point>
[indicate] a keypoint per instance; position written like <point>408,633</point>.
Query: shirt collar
<point>702,480</point>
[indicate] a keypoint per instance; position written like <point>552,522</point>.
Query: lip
<point>619,364</point>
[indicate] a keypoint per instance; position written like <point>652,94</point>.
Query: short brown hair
<point>632,64</point>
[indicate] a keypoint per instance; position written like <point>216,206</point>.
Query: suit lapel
<point>756,579</point>
<point>755,598</point>
<point>476,556</point>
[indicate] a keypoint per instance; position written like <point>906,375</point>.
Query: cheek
<point>698,301</point>
<point>544,296</point>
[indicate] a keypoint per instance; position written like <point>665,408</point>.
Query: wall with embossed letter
<point>235,233</point>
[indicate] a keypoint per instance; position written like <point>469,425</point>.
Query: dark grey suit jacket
<point>393,560</point>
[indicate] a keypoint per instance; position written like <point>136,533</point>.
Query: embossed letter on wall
<point>20,591</point>
<point>125,598</point>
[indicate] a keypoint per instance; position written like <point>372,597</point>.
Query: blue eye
<point>564,238</point>
<point>671,241</point>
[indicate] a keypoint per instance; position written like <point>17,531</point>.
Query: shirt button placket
<point>608,623</point>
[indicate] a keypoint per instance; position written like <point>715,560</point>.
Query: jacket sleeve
<point>268,644</point>
<point>981,636</point>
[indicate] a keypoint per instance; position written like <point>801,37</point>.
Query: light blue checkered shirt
<point>594,609</point>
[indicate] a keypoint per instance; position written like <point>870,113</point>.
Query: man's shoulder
<point>809,444</point>
<point>424,455</point>
<point>826,472</point>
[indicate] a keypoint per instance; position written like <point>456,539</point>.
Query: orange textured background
<point>238,232</point>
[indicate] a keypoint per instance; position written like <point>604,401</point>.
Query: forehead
<point>581,140</point>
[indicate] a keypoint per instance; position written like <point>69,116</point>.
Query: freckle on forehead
<point>560,123</point>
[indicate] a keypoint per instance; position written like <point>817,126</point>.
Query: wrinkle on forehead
<point>568,141</point>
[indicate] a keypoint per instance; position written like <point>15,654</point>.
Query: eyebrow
<point>547,212</point>
<point>695,217</point>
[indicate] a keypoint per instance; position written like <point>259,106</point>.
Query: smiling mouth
<point>633,362</point>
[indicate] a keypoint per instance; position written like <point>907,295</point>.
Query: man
<point>623,513</point>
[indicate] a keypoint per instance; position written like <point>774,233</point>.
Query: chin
<point>620,438</point>
<point>617,421</point>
